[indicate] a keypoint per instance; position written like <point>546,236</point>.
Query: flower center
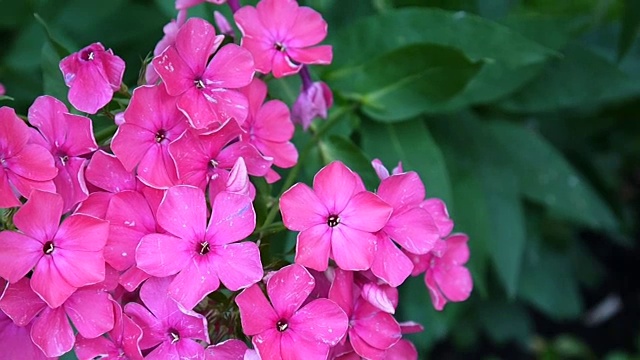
<point>87,55</point>
<point>175,336</point>
<point>204,248</point>
<point>213,163</point>
<point>282,325</point>
<point>199,84</point>
<point>64,159</point>
<point>161,135</point>
<point>333,221</point>
<point>48,248</point>
<point>280,47</point>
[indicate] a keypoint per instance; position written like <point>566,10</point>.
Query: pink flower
<point>228,350</point>
<point>312,102</point>
<point>269,128</point>
<point>122,342</point>
<point>282,36</point>
<point>93,74</point>
<point>336,218</point>
<point>202,256</point>
<point>371,331</point>
<point>68,137</point>
<point>23,166</point>
<point>63,257</point>
<point>445,275</point>
<point>152,122</point>
<point>16,343</point>
<point>283,328</point>
<point>170,31</point>
<point>205,90</point>
<point>171,330</point>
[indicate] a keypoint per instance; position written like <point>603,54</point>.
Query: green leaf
<point>548,282</point>
<point>411,143</point>
<point>341,148</point>
<point>419,78</point>
<point>60,49</point>
<point>52,79</point>
<point>510,59</point>
<point>582,79</point>
<point>69,356</point>
<point>630,27</point>
<point>547,178</point>
<point>505,321</point>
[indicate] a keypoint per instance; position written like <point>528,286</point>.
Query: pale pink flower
<point>172,331</point>
<point>269,128</point>
<point>23,166</point>
<point>338,218</point>
<point>282,36</point>
<point>281,327</point>
<point>68,138</point>
<point>93,74</point>
<point>60,255</point>
<point>312,102</point>
<point>205,89</point>
<point>152,122</point>
<point>446,276</point>
<point>202,255</point>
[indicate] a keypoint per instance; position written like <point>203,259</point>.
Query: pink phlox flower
<point>314,101</point>
<point>205,159</point>
<point>232,349</point>
<point>446,277</point>
<point>205,91</point>
<point>60,254</point>
<point>438,210</point>
<point>121,343</point>
<point>284,329</point>
<point>185,4</point>
<point>410,226</point>
<point>69,138</point>
<point>90,309</point>
<point>338,218</point>
<point>282,36</point>
<point>371,331</point>
<point>269,128</point>
<point>15,341</point>
<point>237,181</point>
<point>93,74</point>
<point>170,31</point>
<point>171,330</point>
<point>202,255</point>
<point>152,122</point>
<point>23,166</point>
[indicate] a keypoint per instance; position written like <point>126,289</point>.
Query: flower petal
<point>321,320</point>
<point>163,255</point>
<point>183,212</point>
<point>366,212</point>
<point>194,282</point>
<point>256,313</point>
<point>352,249</point>
<point>91,312</point>
<point>238,265</point>
<point>301,208</point>
<point>289,288</point>
<point>53,343</point>
<point>19,255</point>
<point>313,247</point>
<point>335,185</point>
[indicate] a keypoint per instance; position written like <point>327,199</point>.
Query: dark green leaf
<point>505,321</point>
<point>411,143</point>
<point>60,49</point>
<point>340,148</point>
<point>405,82</point>
<point>580,79</point>
<point>630,27</point>
<point>547,178</point>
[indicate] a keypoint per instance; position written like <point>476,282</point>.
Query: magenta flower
<point>93,74</point>
<point>122,342</point>
<point>445,275</point>
<point>205,91</point>
<point>152,121</point>
<point>202,255</point>
<point>227,350</point>
<point>283,328</point>
<point>67,137</point>
<point>171,330</point>
<point>269,128</point>
<point>282,36</point>
<point>16,343</point>
<point>170,31</point>
<point>23,166</point>
<point>410,226</point>
<point>312,102</point>
<point>371,331</point>
<point>336,218</point>
<point>63,256</point>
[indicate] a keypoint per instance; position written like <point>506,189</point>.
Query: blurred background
<point>527,126</point>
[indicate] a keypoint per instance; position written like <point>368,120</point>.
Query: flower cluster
<point>145,245</point>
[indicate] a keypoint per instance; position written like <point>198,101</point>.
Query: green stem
<point>293,174</point>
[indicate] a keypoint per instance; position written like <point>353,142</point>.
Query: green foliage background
<point>521,114</point>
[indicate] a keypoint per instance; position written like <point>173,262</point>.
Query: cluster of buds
<point>146,247</point>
